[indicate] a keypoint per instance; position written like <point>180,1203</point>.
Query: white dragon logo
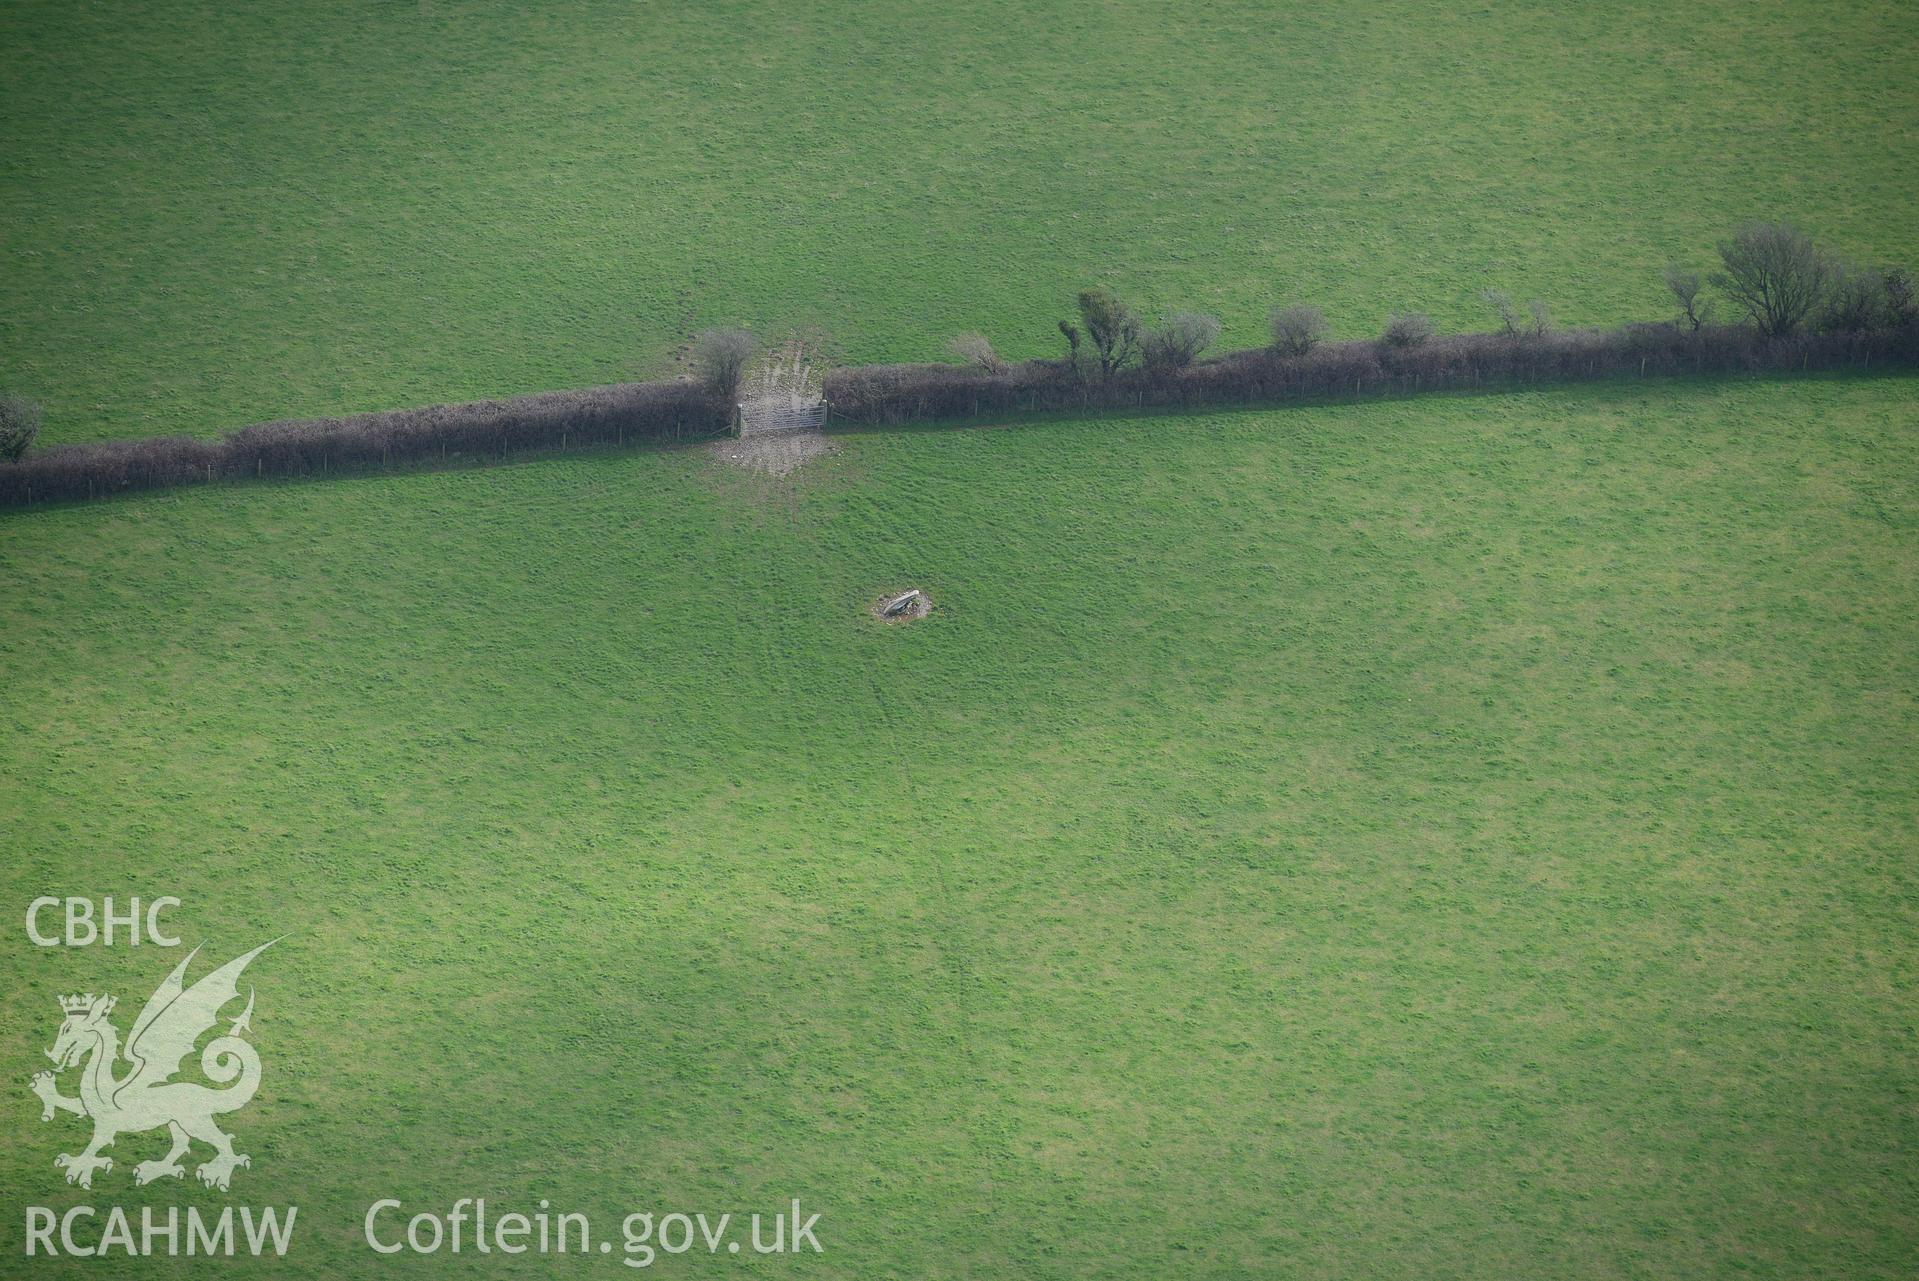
<point>147,1097</point>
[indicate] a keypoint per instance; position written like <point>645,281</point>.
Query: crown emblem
<point>80,1004</point>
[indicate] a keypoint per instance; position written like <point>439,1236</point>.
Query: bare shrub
<point>1535,322</point>
<point>1297,329</point>
<point>1776,274</point>
<point>975,350</point>
<point>1177,343</point>
<point>1502,304</point>
<point>720,356</point>
<point>1855,301</point>
<point>19,424</point>
<point>1686,287</point>
<point>1406,330</point>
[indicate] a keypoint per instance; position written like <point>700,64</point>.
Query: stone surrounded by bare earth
<point>901,603</point>
<point>903,606</point>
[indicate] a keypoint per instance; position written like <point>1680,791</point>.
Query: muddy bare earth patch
<point>775,453</point>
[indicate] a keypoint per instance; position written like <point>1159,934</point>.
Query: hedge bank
<point>632,413</point>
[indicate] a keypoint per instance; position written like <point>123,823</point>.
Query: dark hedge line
<point>617,415</point>
<point>892,394</point>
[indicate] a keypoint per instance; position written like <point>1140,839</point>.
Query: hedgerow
<point>624,414</point>
<point>893,394</point>
<point>1779,277</point>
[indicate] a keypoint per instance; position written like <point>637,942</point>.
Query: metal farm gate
<point>784,396</point>
<point>757,417</point>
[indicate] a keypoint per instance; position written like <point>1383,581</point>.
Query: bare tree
<point>1775,273</point>
<point>1297,329</point>
<point>1178,342</point>
<point>975,350</point>
<point>1686,286</point>
<point>1541,322</point>
<point>720,356</point>
<point>1502,304</point>
<point>1406,330</point>
<point>1855,301</point>
<point>19,424</point>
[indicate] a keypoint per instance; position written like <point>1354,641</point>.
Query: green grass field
<point>217,214</point>
<point>1456,837</point>
<point>1461,837</point>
